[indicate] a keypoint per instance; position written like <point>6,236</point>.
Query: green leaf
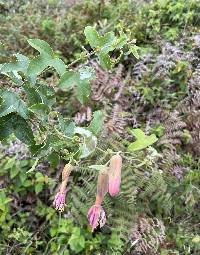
<point>109,38</point>
<point>76,241</point>
<point>93,37</point>
<point>54,159</point>
<point>32,94</point>
<point>142,141</point>
<point>89,144</point>
<point>87,73</point>
<point>46,93</point>
<point>15,124</point>
<point>41,110</point>
<point>138,133</point>
<point>105,61</point>
<point>134,50</point>
<point>59,65</point>
<point>66,126</point>
<point>68,80</point>
<point>15,77</point>
<point>37,149</point>
<point>11,69</point>
<point>38,65</point>
<point>41,46</point>
<point>83,91</point>
<point>12,103</point>
<point>38,187</point>
<point>97,123</point>
<point>20,65</point>
<point>4,200</point>
<point>120,42</point>
<point>14,171</point>
<point>10,163</point>
<point>105,43</point>
<point>45,59</point>
<point>108,44</point>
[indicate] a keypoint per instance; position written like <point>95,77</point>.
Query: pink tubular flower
<point>96,216</point>
<point>114,186</point>
<point>114,174</point>
<point>59,201</point>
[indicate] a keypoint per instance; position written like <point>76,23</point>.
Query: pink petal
<point>103,218</point>
<point>93,216</point>
<point>114,186</point>
<point>59,201</point>
<point>96,215</point>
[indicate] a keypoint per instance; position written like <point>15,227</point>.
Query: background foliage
<point>157,211</point>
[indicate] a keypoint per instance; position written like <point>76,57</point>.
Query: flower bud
<point>114,174</point>
<point>102,184</point>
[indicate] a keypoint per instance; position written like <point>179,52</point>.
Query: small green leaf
<point>121,41</point>
<point>134,50</point>
<point>108,43</point>
<point>109,38</point>
<point>59,65</point>
<point>15,124</point>
<point>38,65</point>
<point>37,149</point>
<point>104,43</point>
<point>89,144</point>
<point>20,65</point>
<point>138,133</point>
<point>10,163</point>
<point>12,103</point>
<point>87,73</point>
<point>45,59</point>
<point>142,141</point>
<point>46,93</point>
<point>27,183</point>
<point>40,110</point>
<point>93,37</point>
<point>76,241</point>
<point>105,61</point>
<point>32,94</point>
<point>97,123</point>
<point>83,91</point>
<point>41,46</point>
<point>82,87</point>
<point>14,171</point>
<point>38,187</point>
<point>39,177</point>
<point>68,80</point>
<point>66,126</point>
<point>54,159</point>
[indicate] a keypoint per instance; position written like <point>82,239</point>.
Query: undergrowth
<point>157,210</point>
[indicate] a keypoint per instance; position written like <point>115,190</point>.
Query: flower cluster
<point>109,181</point>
